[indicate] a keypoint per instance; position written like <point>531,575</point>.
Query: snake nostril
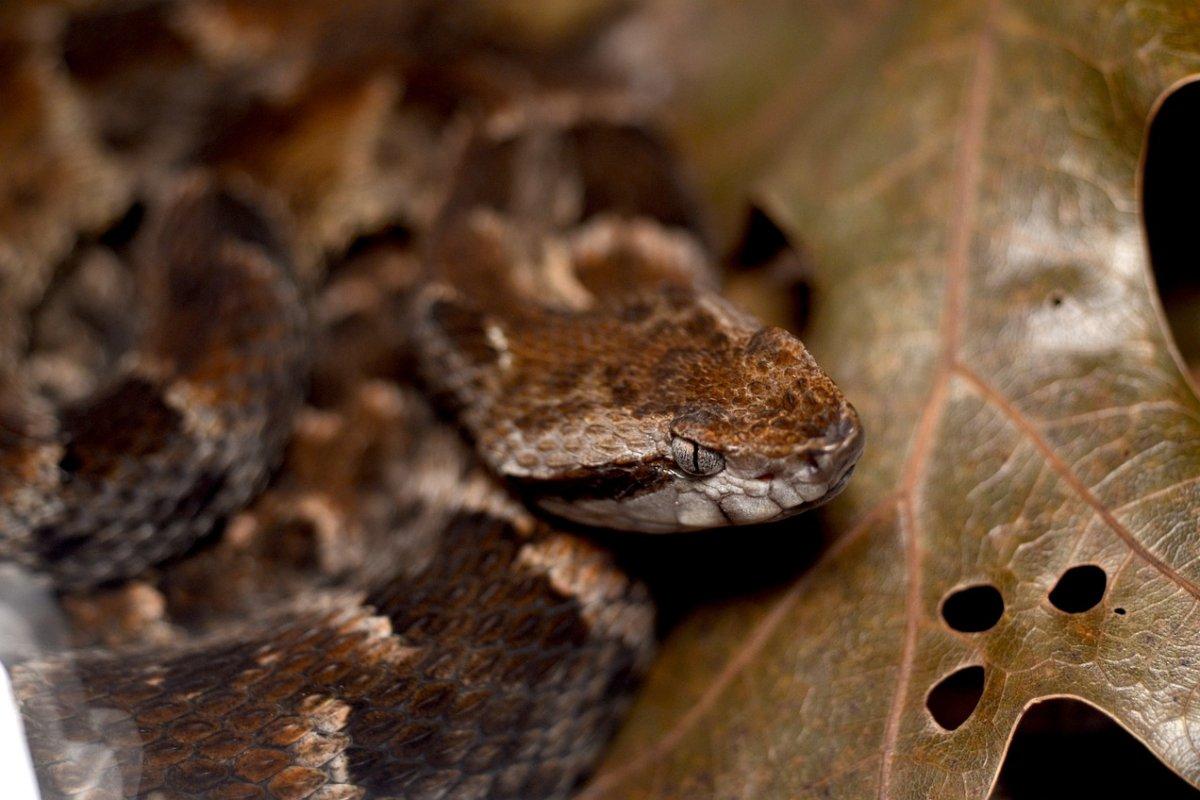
<point>843,427</point>
<point>766,476</point>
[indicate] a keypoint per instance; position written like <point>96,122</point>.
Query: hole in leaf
<point>768,255</point>
<point>1079,589</point>
<point>762,241</point>
<point>955,696</point>
<point>1066,748</point>
<point>973,609</point>
<point>1170,207</point>
<point>121,233</point>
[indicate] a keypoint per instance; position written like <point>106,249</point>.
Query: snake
<point>358,464</point>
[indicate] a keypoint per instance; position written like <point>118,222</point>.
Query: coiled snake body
<point>433,638</point>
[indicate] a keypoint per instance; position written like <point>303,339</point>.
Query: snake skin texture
<point>478,678</point>
<point>187,434</point>
<point>316,321</point>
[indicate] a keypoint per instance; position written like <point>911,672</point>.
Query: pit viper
<point>328,333</point>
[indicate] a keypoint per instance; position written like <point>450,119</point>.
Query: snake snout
<point>833,455</point>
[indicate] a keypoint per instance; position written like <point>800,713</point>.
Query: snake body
<point>187,433</point>
<point>388,618</point>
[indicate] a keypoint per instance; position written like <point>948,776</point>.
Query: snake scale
<point>325,328</point>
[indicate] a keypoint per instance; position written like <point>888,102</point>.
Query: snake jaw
<point>752,489</point>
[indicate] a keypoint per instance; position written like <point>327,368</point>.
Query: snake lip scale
<point>826,467</point>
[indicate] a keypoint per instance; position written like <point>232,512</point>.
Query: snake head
<point>739,482</point>
<point>643,400</point>
<point>702,419</point>
<point>756,432</point>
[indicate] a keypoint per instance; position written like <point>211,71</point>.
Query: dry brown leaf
<point>968,188</point>
<point>747,74</point>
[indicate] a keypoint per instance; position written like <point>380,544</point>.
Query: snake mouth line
<point>833,491</point>
<point>616,483</point>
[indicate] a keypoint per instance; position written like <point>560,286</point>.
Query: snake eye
<point>696,459</point>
